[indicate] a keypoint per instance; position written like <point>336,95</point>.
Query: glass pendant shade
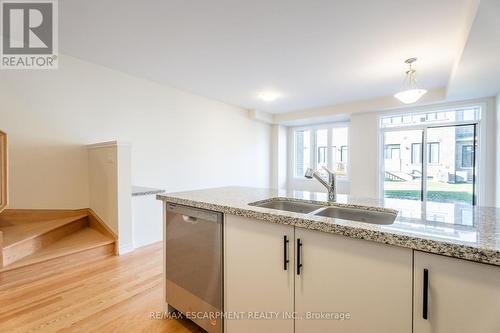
<point>410,96</point>
<point>410,92</point>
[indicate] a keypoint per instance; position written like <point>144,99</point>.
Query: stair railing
<point>4,172</point>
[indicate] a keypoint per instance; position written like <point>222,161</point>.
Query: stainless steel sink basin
<point>359,215</point>
<point>289,206</point>
<point>336,211</point>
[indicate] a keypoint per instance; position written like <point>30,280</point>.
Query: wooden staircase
<point>29,237</point>
<point>33,236</point>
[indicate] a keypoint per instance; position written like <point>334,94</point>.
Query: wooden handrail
<point>4,172</point>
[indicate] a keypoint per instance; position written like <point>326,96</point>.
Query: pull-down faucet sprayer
<point>330,184</point>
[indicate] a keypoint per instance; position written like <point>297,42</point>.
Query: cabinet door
<point>255,275</point>
<point>367,281</point>
<point>462,296</point>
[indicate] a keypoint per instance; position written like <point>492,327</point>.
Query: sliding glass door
<point>433,163</point>
<point>451,163</point>
<point>403,164</point>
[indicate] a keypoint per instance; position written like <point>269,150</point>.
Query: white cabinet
<point>255,277</point>
<point>462,296</point>
<point>372,282</point>
<point>367,283</point>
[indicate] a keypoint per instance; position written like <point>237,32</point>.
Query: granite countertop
<point>460,231</point>
<point>142,190</point>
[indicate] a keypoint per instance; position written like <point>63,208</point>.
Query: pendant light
<point>411,92</point>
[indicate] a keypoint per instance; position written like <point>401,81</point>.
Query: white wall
<point>147,226</point>
<point>110,190</point>
<point>279,156</point>
<point>497,148</point>
<point>103,183</point>
<point>180,141</point>
<point>124,198</point>
<point>364,155</point>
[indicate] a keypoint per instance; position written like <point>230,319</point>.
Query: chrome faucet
<point>331,184</point>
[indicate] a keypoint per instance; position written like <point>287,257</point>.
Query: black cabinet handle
<point>285,253</point>
<point>299,264</point>
<point>425,296</point>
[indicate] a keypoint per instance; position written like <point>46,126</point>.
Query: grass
<point>436,191</point>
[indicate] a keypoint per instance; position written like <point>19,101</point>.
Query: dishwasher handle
<point>194,215</point>
<point>190,219</point>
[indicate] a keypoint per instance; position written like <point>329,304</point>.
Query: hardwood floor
<point>112,294</point>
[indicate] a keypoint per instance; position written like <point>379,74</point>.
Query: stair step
<point>15,232</point>
<point>83,240</point>
<point>16,216</point>
<point>38,236</point>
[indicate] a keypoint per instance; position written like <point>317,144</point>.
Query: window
<point>302,153</point>
<point>433,152</point>
<point>321,144</point>
<point>343,154</point>
<point>322,155</point>
<point>448,172</point>
<point>431,116</point>
<point>416,153</point>
<point>392,151</point>
<point>334,153</point>
<point>315,147</point>
<point>339,161</point>
<point>416,118</point>
<point>467,156</point>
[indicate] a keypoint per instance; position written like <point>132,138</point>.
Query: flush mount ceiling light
<point>269,96</point>
<point>411,92</point>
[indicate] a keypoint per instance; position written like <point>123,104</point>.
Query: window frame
<point>462,157</point>
<point>479,186</point>
<point>389,148</point>
<point>294,148</point>
<point>412,160</point>
<point>429,152</point>
<point>346,152</point>
<point>322,152</point>
<point>330,127</point>
<point>431,123</point>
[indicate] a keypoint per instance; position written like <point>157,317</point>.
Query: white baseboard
<point>125,248</point>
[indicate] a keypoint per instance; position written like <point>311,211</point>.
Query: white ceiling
<point>315,53</point>
<point>478,73</point>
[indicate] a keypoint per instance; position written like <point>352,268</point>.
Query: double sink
<point>334,211</point>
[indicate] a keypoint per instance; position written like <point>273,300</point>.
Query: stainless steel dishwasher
<point>193,246</point>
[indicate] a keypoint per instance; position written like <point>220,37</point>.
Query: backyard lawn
<point>436,191</point>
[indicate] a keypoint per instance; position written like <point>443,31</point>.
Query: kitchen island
<point>431,270</point>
